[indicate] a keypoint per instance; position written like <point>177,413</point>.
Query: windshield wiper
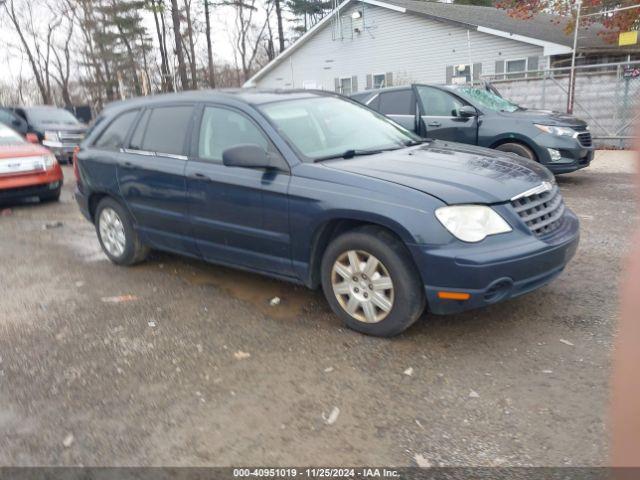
<point>350,154</point>
<point>412,143</point>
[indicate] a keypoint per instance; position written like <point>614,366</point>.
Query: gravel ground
<point>199,369</point>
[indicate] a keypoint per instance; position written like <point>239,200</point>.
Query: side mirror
<point>467,111</point>
<point>247,156</point>
<point>32,138</point>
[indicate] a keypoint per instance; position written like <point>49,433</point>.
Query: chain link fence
<point>607,96</point>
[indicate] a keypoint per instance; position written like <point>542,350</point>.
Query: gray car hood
<point>453,172</point>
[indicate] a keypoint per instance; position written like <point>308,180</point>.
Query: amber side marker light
<point>454,295</point>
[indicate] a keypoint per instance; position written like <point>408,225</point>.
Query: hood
<point>546,117</point>
<point>21,150</point>
<point>62,127</point>
<point>453,172</point>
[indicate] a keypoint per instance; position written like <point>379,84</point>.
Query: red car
<point>27,169</point>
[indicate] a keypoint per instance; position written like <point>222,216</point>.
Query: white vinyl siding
<point>410,47</point>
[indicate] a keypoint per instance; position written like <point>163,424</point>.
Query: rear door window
<point>115,134</point>
<point>166,130</point>
<point>398,102</point>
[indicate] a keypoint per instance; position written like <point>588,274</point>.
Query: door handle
<point>127,164</point>
<point>434,124</point>
<point>201,176</point>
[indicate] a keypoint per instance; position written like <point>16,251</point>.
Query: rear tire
<point>118,238</point>
<point>371,282</point>
<point>518,149</point>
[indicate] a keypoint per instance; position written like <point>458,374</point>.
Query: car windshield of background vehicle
<point>488,99</point>
<point>51,115</point>
<point>9,137</point>
<point>325,126</point>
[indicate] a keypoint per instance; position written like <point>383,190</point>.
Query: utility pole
<point>572,77</point>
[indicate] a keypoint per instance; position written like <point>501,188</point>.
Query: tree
<point>249,36</point>
<point>123,36</point>
<point>192,48</point>
<point>157,7</point>
<point>211,71</point>
<point>278,10</point>
<point>177,34</point>
<point>37,49</point>
<point>614,22</point>
<point>62,58</point>
<point>308,12</point>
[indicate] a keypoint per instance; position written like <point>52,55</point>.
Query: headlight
<point>560,131</point>
<point>471,223</point>
<point>51,136</point>
<point>49,161</point>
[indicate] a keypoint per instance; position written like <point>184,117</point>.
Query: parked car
<point>316,189</point>
<point>27,170</point>
<point>56,128</point>
<point>478,116</point>
<point>13,121</point>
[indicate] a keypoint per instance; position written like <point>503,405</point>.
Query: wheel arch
<point>331,228</point>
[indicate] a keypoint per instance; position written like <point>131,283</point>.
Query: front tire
<point>518,149</point>
<point>117,236</point>
<point>371,283</point>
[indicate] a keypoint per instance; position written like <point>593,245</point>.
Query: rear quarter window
<point>114,135</point>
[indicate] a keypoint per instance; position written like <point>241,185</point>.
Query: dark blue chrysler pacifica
<point>317,189</point>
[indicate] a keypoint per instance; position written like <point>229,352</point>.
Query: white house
<point>372,43</point>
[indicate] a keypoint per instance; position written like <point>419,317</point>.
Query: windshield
<point>9,137</point>
<point>51,115</point>
<point>488,99</point>
<point>323,127</point>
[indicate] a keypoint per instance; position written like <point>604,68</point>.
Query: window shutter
<point>369,81</point>
<point>449,74</point>
<point>337,84</point>
<point>499,67</point>
<point>477,71</point>
<point>354,84</point>
<point>388,79</point>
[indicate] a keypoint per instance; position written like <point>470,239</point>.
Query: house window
<point>461,74</point>
<point>516,68</point>
<point>379,80</point>
<point>345,86</point>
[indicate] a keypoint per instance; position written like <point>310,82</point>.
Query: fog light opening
<point>555,154</point>
<point>498,290</point>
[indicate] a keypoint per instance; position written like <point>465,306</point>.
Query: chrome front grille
<point>542,212</point>
<point>70,137</point>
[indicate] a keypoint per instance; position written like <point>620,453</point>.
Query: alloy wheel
<point>362,285</point>
<point>112,232</point>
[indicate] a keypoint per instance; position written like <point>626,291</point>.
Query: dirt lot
<point>157,380</point>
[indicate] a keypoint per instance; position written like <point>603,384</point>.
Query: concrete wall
<point>413,48</point>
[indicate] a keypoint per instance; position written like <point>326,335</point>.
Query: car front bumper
<point>573,155</point>
<point>495,272</point>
